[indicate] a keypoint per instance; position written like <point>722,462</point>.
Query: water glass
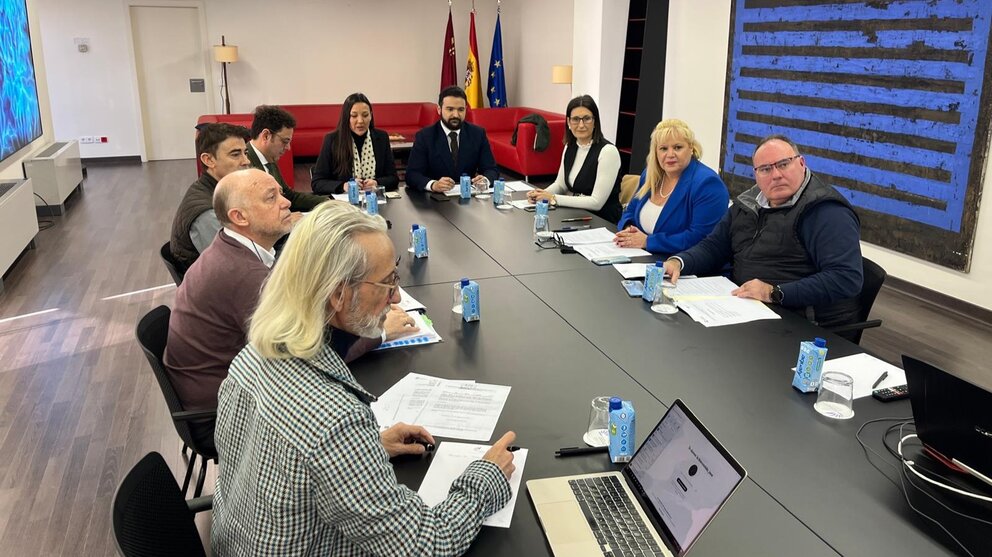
<point>481,190</point>
<point>598,432</point>
<point>836,395</point>
<point>456,299</point>
<point>663,301</point>
<point>542,230</point>
<point>507,201</point>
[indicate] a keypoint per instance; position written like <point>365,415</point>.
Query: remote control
<point>892,393</point>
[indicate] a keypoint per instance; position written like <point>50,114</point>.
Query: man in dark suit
<point>444,151</point>
<point>271,134</point>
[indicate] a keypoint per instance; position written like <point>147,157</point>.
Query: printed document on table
<point>703,287</point>
<point>632,270</point>
<point>518,185</point>
<point>425,333</point>
<point>408,302</point>
<point>449,462</point>
<point>727,310</point>
<point>608,249</point>
<point>457,190</point>
<point>600,235</point>
<point>458,409</point>
<point>865,370</point>
<point>521,203</point>
<point>344,197</point>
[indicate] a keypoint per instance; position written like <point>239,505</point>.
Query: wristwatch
<point>777,295</point>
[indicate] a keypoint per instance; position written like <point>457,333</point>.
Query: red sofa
<point>314,121</point>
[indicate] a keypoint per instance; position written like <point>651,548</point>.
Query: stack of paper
<point>517,185</point>
<point>344,197</point>
<point>445,407</point>
<point>450,461</point>
<point>457,191</point>
<point>708,301</point>
<point>597,242</point>
<point>425,333</point>
<point>408,302</point>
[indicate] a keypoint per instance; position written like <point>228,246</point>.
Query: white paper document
<point>521,203</point>
<point>865,370</point>
<point>600,235</point>
<point>607,249</point>
<point>446,408</point>
<point>344,197</point>
<point>703,287</point>
<point>725,310</point>
<point>450,460</point>
<point>425,334</point>
<point>408,302</point>
<point>518,185</point>
<point>632,270</point>
<point>457,191</point>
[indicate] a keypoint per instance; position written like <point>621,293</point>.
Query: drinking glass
<point>663,301</point>
<point>836,395</point>
<point>598,432</point>
<point>507,201</point>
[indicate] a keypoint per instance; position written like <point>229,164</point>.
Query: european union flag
<point>497,76</point>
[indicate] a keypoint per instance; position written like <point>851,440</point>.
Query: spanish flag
<point>473,83</point>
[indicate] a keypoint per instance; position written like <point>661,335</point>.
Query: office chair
<point>152,333</point>
<point>874,276</point>
<point>171,264</point>
<point>628,187</point>
<point>150,517</point>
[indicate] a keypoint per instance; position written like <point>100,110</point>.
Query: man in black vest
<point>221,150</point>
<point>442,152</point>
<point>792,240</point>
<point>271,134</point>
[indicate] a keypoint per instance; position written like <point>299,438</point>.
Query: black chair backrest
<point>150,516</point>
<point>152,333</point>
<point>173,266</point>
<point>874,276</point>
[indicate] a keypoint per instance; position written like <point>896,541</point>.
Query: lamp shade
<point>561,74</point>
<point>225,53</point>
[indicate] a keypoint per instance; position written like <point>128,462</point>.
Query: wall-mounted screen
<point>20,114</point>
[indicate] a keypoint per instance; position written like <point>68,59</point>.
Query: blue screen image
<point>20,115</point>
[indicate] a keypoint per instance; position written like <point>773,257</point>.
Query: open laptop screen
<point>684,474</point>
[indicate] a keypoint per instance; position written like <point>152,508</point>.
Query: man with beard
<point>304,469</point>
<point>444,151</point>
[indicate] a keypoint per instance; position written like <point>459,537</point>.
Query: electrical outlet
<point>85,139</point>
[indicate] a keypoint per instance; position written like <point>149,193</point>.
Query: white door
<point>168,53</point>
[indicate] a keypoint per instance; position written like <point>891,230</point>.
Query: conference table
<point>559,331</point>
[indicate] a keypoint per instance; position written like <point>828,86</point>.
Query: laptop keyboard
<point>613,517</point>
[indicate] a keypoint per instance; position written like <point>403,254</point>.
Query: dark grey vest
<point>585,180</point>
<point>199,199</point>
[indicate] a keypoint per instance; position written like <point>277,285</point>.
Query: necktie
<point>454,147</point>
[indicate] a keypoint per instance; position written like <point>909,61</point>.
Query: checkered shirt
<point>302,470</point>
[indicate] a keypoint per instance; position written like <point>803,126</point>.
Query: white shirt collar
<point>447,131</point>
<point>266,256</point>
<point>261,157</point>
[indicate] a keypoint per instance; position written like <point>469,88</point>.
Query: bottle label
<point>420,242</point>
<point>466,187</point>
<point>353,193</point>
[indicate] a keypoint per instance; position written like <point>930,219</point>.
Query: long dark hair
<point>341,153</point>
<point>585,101</point>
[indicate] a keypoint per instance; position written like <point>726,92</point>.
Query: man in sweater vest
<point>271,135</point>
<point>221,150</point>
<point>792,240</point>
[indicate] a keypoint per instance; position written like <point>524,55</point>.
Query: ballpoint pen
<point>575,451</point>
<point>879,380</point>
<point>571,228</point>
<point>577,219</point>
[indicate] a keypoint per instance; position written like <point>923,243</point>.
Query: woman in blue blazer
<point>680,199</point>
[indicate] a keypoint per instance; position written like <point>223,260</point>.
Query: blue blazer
<point>699,202</point>
<point>430,157</point>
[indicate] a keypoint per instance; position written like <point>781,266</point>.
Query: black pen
<point>428,447</point>
<point>512,448</point>
<point>577,219</point>
<point>879,380</point>
<point>571,228</point>
<point>575,451</point>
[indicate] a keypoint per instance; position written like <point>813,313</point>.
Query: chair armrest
<point>194,415</point>
<point>200,504</point>
<point>870,324</point>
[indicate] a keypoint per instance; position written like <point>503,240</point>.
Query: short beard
<point>368,325</point>
<point>456,125</point>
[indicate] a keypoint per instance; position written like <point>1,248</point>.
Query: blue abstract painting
<point>20,116</point>
<point>887,100</point>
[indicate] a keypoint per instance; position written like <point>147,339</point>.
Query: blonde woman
<point>680,199</point>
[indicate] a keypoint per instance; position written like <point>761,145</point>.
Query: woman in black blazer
<point>348,153</point>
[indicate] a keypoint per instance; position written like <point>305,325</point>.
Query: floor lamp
<point>225,54</point>
<point>562,75</point>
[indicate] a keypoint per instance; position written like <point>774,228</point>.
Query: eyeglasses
<point>285,140</point>
<point>554,241</point>
<point>576,120</point>
<point>391,283</point>
<point>766,169</point>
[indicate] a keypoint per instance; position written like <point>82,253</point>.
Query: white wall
<point>306,51</point>
<point>11,167</point>
<point>695,80</point>
<point>598,52</point>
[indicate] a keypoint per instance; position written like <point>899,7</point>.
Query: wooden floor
<point>79,405</point>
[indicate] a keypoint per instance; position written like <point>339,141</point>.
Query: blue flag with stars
<point>497,76</point>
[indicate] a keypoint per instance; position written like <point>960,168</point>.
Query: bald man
<point>209,323</point>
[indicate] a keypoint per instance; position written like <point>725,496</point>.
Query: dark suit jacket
<point>430,158</point>
<point>325,179</point>
<point>299,201</point>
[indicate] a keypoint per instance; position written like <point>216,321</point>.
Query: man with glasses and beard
<point>304,469</point>
<point>271,135</point>
<point>442,152</point>
<point>791,239</point>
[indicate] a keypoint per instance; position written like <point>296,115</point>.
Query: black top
<point>325,179</point>
<point>585,180</point>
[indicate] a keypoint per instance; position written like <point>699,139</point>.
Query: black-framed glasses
<point>391,283</point>
<point>554,241</point>
<point>576,120</point>
<point>766,169</point>
<point>285,140</point>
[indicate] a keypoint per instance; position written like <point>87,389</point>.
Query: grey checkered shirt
<point>302,470</point>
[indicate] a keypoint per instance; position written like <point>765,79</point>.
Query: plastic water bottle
<point>542,207</point>
<point>653,279</point>
<point>499,186</point>
<point>622,422</point>
<point>371,203</point>
<point>354,194</point>
<point>466,187</point>
<point>413,229</point>
<point>809,366</point>
<point>420,250</point>
<point>456,298</point>
<point>470,300</point>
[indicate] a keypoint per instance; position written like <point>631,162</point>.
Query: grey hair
<point>779,137</point>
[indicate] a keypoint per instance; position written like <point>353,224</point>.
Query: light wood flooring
<point>79,405</point>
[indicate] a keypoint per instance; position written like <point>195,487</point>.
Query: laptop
<point>953,417</point>
<point>659,504</point>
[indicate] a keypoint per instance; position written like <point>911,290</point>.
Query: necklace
<point>661,190</point>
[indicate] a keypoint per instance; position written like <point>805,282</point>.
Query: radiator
<point>18,222</point>
<point>55,171</point>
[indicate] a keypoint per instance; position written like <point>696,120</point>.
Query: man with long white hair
<point>303,467</point>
